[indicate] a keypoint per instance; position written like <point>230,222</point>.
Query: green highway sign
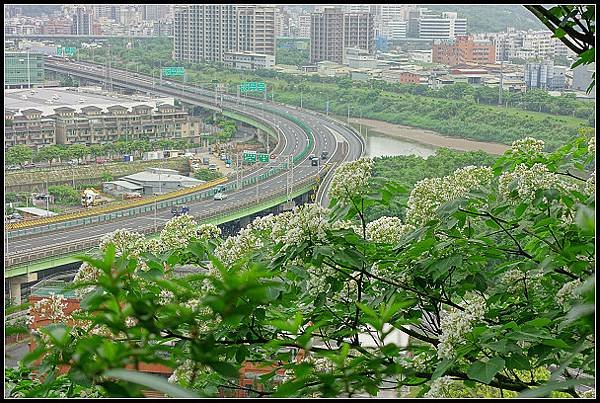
<point>252,86</point>
<point>172,71</point>
<point>68,51</point>
<point>263,157</point>
<point>249,156</point>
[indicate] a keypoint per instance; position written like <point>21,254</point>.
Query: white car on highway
<point>220,196</point>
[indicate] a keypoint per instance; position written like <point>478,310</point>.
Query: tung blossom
<point>439,388</point>
<point>351,179</point>
<point>51,308</point>
<point>528,146</point>
<point>387,230</point>
<point>178,232</point>
<point>126,242</point>
<point>430,193</point>
<point>86,273</point>
<point>568,293</point>
<point>455,324</point>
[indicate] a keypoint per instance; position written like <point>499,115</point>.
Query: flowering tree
<point>491,276</point>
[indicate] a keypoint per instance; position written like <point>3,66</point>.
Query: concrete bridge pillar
<point>14,286</point>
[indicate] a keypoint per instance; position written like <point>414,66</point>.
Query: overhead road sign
<point>173,71</point>
<point>252,86</point>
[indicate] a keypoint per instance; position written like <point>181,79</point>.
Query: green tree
<point>18,154</point>
<point>65,195</point>
<point>491,274</point>
<point>48,153</point>
<point>79,151</point>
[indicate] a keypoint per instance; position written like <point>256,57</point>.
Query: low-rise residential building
<point>44,116</point>
<point>28,128</point>
<point>248,60</point>
<point>422,56</point>
<point>359,58</point>
<point>141,122</point>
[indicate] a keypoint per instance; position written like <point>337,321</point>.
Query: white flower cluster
<point>568,293</point>
<point>455,324</point>
<point>208,231</point>
<point>86,273</point>
<point>321,364</point>
<point>592,145</point>
<point>531,179</point>
<point>590,185</point>
<point>51,308</point>
<point>387,230</point>
<point>126,242</point>
<point>527,145</point>
<point>439,387</point>
<point>154,246</point>
<point>178,232</point>
<point>351,179</point>
<point>317,281</point>
<point>428,194</point>
<point>307,222</point>
<point>234,247</point>
<point>514,280</point>
<point>165,297</point>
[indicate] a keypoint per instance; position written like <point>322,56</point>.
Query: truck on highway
<point>314,161</point>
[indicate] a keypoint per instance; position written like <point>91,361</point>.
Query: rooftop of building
<point>161,175</point>
<point>36,211</point>
<point>47,100</point>
<point>126,185</point>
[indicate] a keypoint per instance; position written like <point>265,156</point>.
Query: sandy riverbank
<point>429,137</point>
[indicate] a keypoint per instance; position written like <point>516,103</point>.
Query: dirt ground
<point>429,137</point>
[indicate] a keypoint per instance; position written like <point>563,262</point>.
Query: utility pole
<point>327,108</point>
<point>348,121</point>
<point>501,83</point>
<point>301,94</point>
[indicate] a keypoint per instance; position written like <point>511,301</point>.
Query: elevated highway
<point>300,133</point>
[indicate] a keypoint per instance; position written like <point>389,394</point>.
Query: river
<point>381,146</point>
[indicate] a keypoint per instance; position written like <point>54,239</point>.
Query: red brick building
<point>462,50</point>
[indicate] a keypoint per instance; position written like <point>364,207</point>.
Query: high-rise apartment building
<point>426,24</point>
<point>397,30</point>
<point>333,31</point>
<point>206,32</point>
<point>384,14</point>
<point>327,35</point>
<point>82,22</point>
<point>304,25</point>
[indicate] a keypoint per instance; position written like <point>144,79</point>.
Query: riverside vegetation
<point>490,271</point>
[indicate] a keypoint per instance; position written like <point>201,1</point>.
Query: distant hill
<point>492,18</point>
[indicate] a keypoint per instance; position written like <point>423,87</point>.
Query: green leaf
<point>225,369</point>
<point>555,343</point>
<point>520,209</point>
<point>441,368</point>
<point>517,361</point>
<point>539,322</point>
<point>485,371</point>
<point>153,382</point>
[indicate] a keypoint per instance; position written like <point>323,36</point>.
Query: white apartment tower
<point>206,32</point>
